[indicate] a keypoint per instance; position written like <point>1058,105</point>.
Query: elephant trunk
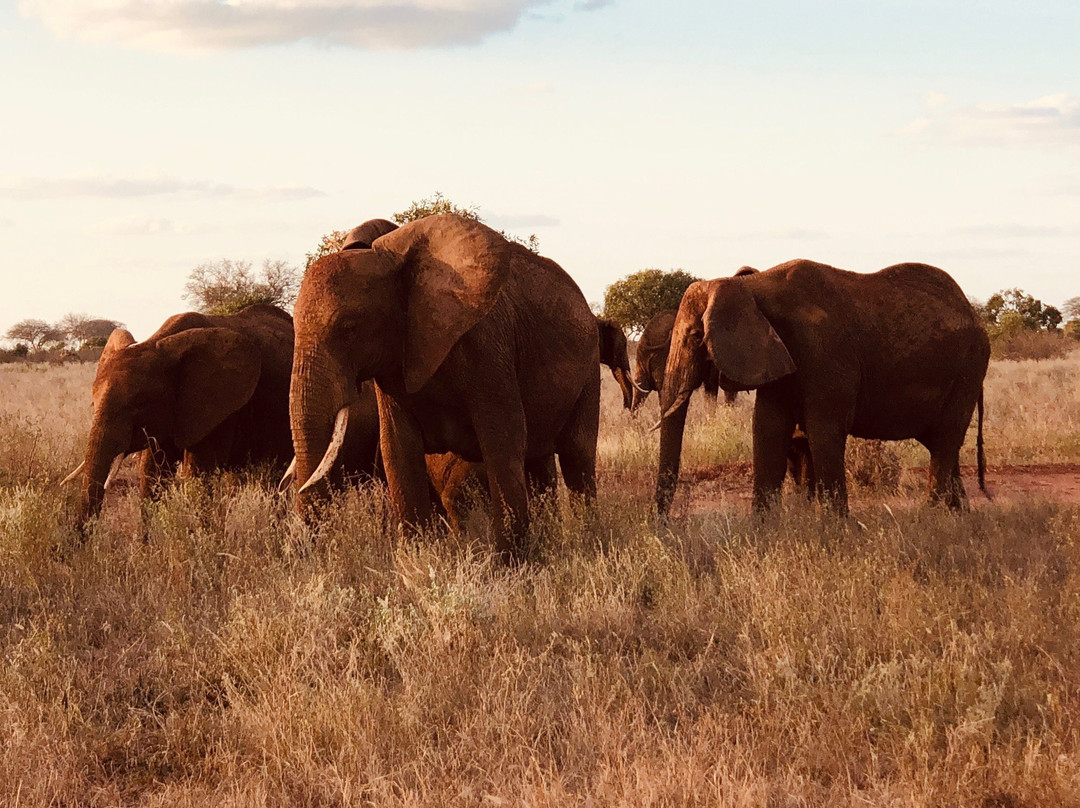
<point>628,389</point>
<point>316,395</point>
<point>642,388</point>
<point>671,440</point>
<point>106,444</point>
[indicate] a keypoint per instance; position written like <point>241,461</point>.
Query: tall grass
<point>208,648</point>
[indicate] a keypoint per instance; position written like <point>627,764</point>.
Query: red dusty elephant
<point>211,391</point>
<point>891,355</point>
<point>477,346</point>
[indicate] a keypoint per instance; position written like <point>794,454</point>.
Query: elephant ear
<point>455,270</point>
<point>608,342</point>
<point>215,371</point>
<point>741,341</point>
<point>363,236</point>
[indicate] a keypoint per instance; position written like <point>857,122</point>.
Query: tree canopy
<point>226,286</point>
<point>635,299</point>
<point>1012,310</point>
<point>36,333</point>
<point>83,331</point>
<point>331,242</point>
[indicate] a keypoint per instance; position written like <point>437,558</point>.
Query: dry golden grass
<point>207,649</point>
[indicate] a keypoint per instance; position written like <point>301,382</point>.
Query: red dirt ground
<point>1058,482</point>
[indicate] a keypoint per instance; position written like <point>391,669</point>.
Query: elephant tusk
<point>639,388</point>
<point>73,474</point>
<point>341,422</point>
<point>287,478</point>
<point>113,469</point>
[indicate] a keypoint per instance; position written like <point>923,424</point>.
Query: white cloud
<point>100,186</point>
<point>134,225</point>
<point>1050,120</point>
<point>174,25</point>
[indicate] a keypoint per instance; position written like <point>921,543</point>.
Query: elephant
<point>458,483</point>
<point>895,354</point>
<point>651,359</point>
<point>211,391</point>
<point>652,354</point>
<point>477,346</point>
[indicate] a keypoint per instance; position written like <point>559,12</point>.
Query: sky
<point>141,138</point>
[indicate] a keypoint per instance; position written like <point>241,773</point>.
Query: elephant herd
<point>441,357</point>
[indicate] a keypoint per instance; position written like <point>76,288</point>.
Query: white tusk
<point>656,426</point>
<point>338,438</point>
<point>117,462</point>
<point>73,474</point>
<point>639,388</point>
<point>287,478</point>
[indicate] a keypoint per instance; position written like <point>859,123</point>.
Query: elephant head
<point>718,324</point>
<point>652,354</point>
<point>175,389</point>
<point>651,358</point>
<point>392,313</point>
<point>613,354</point>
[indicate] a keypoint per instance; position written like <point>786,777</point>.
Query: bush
<point>1026,344</point>
<point>638,297</point>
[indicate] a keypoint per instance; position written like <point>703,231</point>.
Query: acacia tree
<point>82,331</point>
<point>226,286</point>
<point>37,333</point>
<point>638,297</point>
<point>1071,309</point>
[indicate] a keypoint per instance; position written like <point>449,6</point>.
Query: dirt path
<point>733,482</point>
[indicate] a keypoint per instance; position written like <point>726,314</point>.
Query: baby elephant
<point>210,391</point>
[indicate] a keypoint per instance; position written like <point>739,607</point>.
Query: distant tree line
<point>71,336</point>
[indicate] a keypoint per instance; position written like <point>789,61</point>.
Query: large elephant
<point>477,346</point>
<point>652,354</point>
<point>894,354</point>
<point>212,391</point>
<point>458,483</point>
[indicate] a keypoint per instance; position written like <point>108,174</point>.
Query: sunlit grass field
<point>208,649</point>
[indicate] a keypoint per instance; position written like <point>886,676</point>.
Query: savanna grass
<point>208,648</point>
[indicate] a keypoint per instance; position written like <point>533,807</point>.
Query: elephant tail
<point>980,452</point>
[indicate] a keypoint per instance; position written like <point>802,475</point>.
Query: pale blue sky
<point>139,139</point>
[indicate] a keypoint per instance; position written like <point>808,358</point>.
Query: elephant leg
<point>945,483</point>
<point>402,446</point>
<point>799,463</point>
<point>774,423</point>
<point>541,476</point>
<point>711,384</point>
<point>828,439</point>
<point>502,443</point>
<point>577,444</point>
